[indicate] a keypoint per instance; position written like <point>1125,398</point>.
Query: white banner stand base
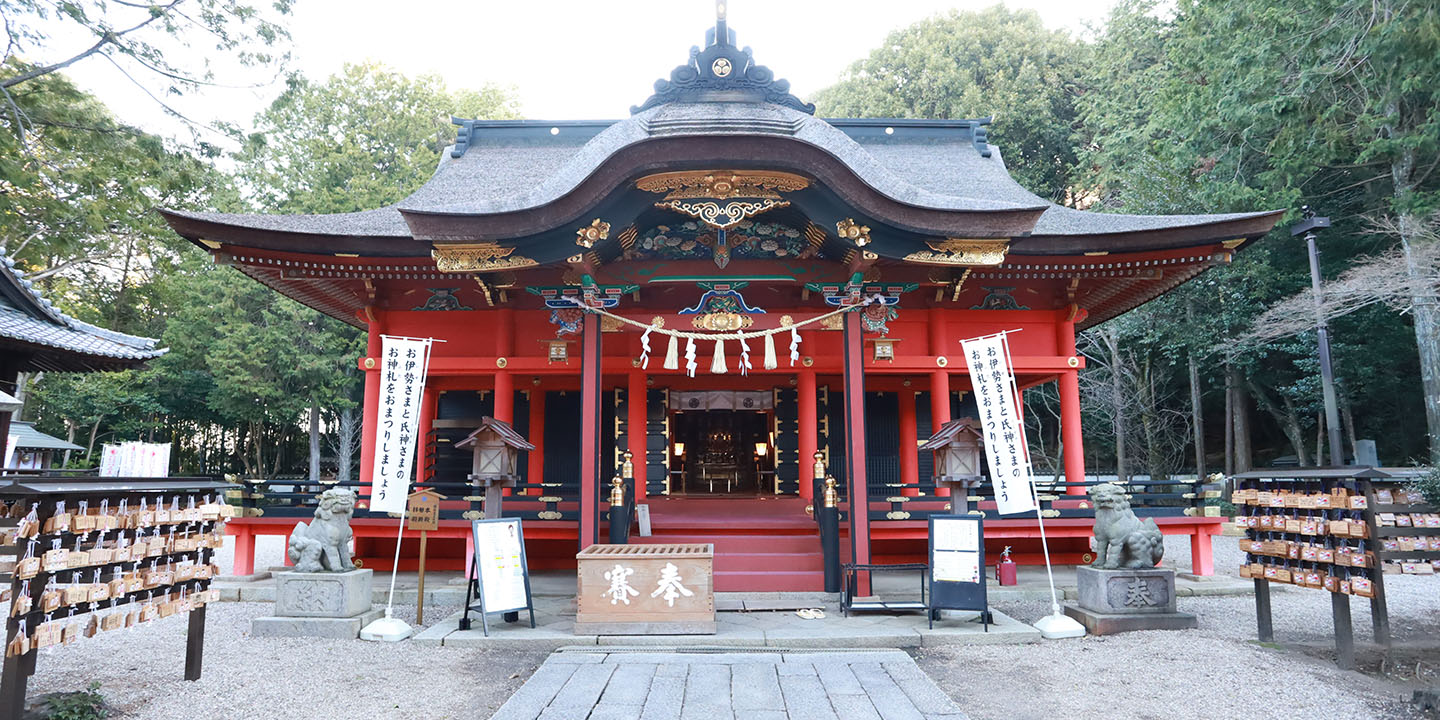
<point>1052,627</point>
<point>393,629</point>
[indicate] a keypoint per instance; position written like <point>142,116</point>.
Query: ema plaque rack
<point>1338,530</point>
<point>101,554</point>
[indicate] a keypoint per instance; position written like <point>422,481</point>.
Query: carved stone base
<point>1109,624</point>
<point>1126,592</point>
<point>323,594</point>
<point>322,627</point>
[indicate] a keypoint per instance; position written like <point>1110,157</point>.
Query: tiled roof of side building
<point>57,340</point>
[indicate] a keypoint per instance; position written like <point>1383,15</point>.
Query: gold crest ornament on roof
<point>596,231</point>
<point>848,229</point>
<point>478,257</point>
<point>960,251</point>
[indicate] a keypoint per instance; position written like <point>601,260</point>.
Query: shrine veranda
<point>546,255</point>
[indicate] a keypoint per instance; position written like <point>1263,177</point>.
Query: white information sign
<point>994,382</point>
<point>499,550</point>
<point>403,363</point>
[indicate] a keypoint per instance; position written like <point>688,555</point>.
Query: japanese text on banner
<point>402,382</point>
<point>993,380</point>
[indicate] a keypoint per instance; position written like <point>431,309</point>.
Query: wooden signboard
<point>422,512</point>
<point>501,574</point>
<point>957,566</point>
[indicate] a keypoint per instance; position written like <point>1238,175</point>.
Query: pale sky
<point>568,59</point>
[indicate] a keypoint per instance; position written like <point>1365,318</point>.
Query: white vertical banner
<point>993,379</point>
<point>403,364</point>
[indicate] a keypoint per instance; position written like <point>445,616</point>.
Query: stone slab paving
<point>580,683</point>
<point>555,628</point>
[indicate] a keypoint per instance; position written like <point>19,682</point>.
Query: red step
<point>759,563</point>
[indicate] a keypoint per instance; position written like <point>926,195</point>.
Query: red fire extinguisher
<point>1005,569</point>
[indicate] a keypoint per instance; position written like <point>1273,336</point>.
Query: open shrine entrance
<point>722,444</point>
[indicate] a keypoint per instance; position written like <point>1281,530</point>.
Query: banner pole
<point>1056,624</point>
<point>389,628</point>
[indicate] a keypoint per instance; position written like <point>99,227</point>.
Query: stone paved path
<point>599,685</point>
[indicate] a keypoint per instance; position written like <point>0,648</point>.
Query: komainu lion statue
<point>1121,539</point>
<point>324,544</point>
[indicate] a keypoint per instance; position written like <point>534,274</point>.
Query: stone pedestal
<point>321,604</point>
<point>1113,601</point>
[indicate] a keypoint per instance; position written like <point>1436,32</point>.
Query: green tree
<point>142,39</point>
<point>993,62</point>
<point>362,139</point>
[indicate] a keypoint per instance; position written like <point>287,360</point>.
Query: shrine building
<point>548,256</point>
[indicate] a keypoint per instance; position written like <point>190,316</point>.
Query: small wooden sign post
<point>422,511</point>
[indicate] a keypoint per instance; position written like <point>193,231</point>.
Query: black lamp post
<point>1308,224</point>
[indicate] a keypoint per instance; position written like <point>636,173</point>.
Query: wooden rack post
<point>43,493</point>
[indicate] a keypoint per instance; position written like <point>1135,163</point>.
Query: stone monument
<point>1122,589</point>
<point>326,595</point>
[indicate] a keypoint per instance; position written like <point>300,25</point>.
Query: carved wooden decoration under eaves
<point>955,251</point>
<point>478,257</point>
<point>722,184</point>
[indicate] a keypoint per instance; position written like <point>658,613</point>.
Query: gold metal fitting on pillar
<point>818,468</point>
<point>617,491</point>
<point>627,469</point>
<point>832,496</point>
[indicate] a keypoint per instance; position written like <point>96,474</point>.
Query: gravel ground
<point>1215,671</point>
<point>140,671</point>
<point>1218,670</point>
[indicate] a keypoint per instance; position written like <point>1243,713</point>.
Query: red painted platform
<point>761,544</point>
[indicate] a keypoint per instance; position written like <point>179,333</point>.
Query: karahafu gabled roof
<point>31,327</point>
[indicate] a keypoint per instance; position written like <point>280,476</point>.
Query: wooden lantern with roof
<point>495,460</point>
<point>958,446</point>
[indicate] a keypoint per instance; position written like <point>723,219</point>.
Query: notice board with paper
<point>501,574</point>
<point>957,565</point>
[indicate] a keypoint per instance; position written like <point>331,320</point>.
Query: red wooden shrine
<point>722,204</point>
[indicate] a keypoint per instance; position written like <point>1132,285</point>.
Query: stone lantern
<point>495,460</point>
<point>958,446</point>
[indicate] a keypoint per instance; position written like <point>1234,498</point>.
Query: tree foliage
<point>989,63</point>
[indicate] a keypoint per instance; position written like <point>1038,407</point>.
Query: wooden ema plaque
<point>645,590</point>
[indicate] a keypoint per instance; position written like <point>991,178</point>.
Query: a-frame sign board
<point>500,573</point>
<point>957,566</point>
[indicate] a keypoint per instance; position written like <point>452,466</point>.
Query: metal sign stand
<point>475,589</point>
<point>959,594</point>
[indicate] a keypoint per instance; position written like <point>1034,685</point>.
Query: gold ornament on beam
<point>478,257</point>
<point>720,216</point>
<point>721,184</point>
<point>849,230</point>
<point>959,251</point>
<point>596,231</point>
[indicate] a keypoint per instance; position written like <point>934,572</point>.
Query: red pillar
<point>1070,413</point>
<point>590,433</point>
<point>939,380</point>
<point>504,383</point>
<point>809,431</point>
<point>244,549</point>
<point>428,402</point>
<point>637,429</point>
<point>537,438</point>
<point>909,454</point>
<point>504,397</point>
<point>855,447</point>
<point>371,366</point>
